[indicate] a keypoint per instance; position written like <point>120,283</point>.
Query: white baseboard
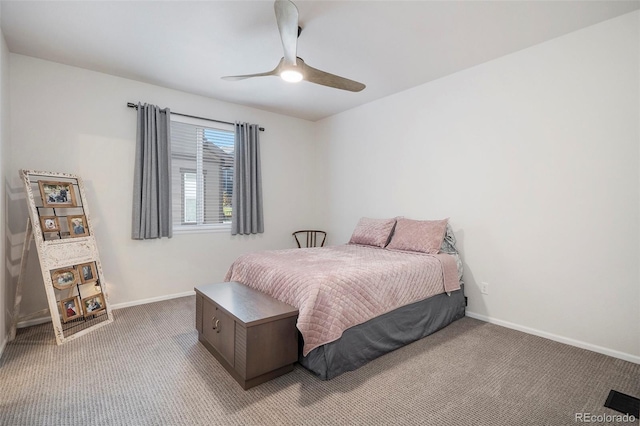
<point>42,320</point>
<point>3,345</point>
<point>35,321</point>
<point>152,299</point>
<point>572,342</point>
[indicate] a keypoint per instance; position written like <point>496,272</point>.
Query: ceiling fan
<point>292,68</point>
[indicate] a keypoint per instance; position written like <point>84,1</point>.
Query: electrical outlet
<point>484,288</point>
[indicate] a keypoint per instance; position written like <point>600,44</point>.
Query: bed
<point>390,285</point>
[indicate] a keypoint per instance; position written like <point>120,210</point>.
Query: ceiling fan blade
<point>242,77</point>
<point>314,75</point>
<point>287,18</point>
<point>292,68</point>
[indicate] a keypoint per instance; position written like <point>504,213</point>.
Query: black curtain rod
<point>132,105</point>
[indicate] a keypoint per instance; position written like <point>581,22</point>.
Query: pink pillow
<point>418,235</point>
<point>372,232</point>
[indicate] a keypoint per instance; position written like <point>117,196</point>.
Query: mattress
<point>336,288</point>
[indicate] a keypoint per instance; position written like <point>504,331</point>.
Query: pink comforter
<point>335,288</point>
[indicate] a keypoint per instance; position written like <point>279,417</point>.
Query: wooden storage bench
<point>252,335</point>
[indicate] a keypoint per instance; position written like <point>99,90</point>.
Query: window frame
<point>181,227</point>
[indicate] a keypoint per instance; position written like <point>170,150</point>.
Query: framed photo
<point>71,308</point>
<point>77,226</point>
<point>64,278</point>
<point>87,272</point>
<point>50,224</point>
<point>93,304</point>
<point>57,194</point>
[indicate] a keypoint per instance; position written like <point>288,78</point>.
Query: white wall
<point>4,155</point>
<point>68,119</point>
<point>535,158</point>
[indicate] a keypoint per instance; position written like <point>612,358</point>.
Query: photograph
<point>49,223</point>
<point>71,308</point>
<point>64,278</point>
<point>77,226</point>
<point>93,304</point>
<point>87,272</point>
<point>57,194</point>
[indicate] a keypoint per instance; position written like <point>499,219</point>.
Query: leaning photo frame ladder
<point>60,225</point>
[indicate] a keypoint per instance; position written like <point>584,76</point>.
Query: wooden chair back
<point>310,237</point>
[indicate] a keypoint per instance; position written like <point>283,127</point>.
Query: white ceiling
<point>388,45</point>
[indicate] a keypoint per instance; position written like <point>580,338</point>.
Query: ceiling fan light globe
<point>291,76</point>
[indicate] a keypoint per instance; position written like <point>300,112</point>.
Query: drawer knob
<point>215,324</point>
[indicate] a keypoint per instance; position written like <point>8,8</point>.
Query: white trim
<point>42,320</point>
<point>35,321</point>
<point>152,300</point>
<point>198,229</point>
<point>572,342</point>
<point>3,345</point>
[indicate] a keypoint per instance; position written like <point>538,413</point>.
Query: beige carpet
<point>147,368</point>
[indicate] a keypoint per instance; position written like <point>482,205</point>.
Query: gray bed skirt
<point>378,336</point>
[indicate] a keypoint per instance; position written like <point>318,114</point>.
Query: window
<point>202,175</point>
<point>189,197</point>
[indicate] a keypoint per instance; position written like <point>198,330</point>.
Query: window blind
<point>202,175</point>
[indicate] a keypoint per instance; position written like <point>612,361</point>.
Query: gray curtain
<point>152,175</point>
<point>246,215</point>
